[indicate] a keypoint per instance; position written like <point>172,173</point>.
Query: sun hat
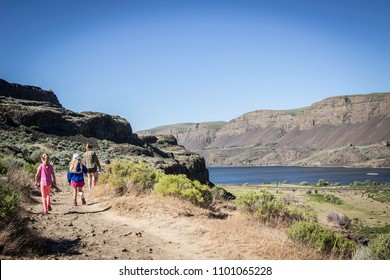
<point>76,156</point>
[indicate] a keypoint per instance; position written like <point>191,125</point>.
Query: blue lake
<point>296,175</point>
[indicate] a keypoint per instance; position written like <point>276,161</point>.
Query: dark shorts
<point>92,170</point>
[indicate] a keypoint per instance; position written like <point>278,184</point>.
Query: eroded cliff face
<point>338,131</point>
<point>24,92</point>
<point>341,110</point>
<point>198,136</point>
<point>254,128</point>
<point>37,114</point>
<point>53,119</point>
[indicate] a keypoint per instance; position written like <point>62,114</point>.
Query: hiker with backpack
<point>92,163</point>
<point>75,178</point>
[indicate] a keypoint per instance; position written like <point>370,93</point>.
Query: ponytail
<point>74,164</point>
<point>45,159</point>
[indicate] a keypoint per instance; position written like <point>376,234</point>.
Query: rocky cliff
<point>32,119</point>
<point>338,131</point>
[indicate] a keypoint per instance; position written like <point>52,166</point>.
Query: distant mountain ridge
<point>350,130</point>
<point>194,136</point>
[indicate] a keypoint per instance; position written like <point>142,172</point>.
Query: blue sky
<point>163,62</point>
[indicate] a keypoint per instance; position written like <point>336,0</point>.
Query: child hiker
<point>75,178</point>
<point>46,173</point>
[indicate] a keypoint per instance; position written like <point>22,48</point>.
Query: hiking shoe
<point>49,208</point>
<point>83,201</point>
<point>74,203</point>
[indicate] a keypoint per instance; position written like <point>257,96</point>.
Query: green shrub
<point>340,219</point>
<point>36,155</point>
<point>298,212</point>
<point>61,159</point>
<point>3,166</point>
<point>30,169</point>
<point>380,247</point>
<point>381,196</point>
<point>325,198</point>
<point>332,199</point>
<point>265,206</point>
<point>139,177</point>
<point>322,183</point>
<point>362,253</point>
<point>321,239</point>
<point>9,203</point>
<point>181,186</point>
<point>251,201</point>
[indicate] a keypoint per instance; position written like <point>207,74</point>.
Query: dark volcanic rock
<point>27,93</point>
<point>52,119</point>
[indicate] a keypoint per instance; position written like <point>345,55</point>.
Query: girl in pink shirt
<point>46,173</point>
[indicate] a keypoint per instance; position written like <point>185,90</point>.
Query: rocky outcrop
<point>38,113</point>
<point>337,131</point>
<point>52,119</point>
<point>28,93</point>
<point>180,160</point>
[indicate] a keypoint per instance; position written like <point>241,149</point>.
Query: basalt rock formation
<point>338,131</point>
<point>29,114</point>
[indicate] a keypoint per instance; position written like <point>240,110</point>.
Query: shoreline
<point>300,166</point>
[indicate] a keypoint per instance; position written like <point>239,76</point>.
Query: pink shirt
<point>46,172</point>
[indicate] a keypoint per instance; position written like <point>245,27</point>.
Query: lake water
<point>296,175</point>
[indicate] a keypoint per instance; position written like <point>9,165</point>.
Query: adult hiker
<point>92,163</point>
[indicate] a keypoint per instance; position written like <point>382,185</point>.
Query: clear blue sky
<point>165,62</point>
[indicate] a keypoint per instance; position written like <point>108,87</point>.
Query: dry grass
<point>355,204</point>
<point>237,236</point>
<point>16,239</point>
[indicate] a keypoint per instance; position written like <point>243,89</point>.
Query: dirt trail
<point>153,227</point>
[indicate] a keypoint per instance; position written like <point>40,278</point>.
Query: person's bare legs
<point>75,196</point>
<point>95,179</point>
<point>90,180</point>
<point>83,202</point>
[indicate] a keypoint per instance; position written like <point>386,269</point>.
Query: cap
<point>76,156</point>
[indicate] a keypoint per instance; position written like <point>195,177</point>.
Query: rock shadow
<point>60,247</point>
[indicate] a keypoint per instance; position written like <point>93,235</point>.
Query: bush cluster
<point>9,203</point>
<point>332,199</point>
<point>326,198</point>
<point>380,247</point>
<point>181,186</point>
<point>269,209</point>
<point>15,236</point>
<point>340,219</point>
<point>3,166</point>
<point>381,196</point>
<point>367,183</point>
<point>139,177</point>
<point>322,183</point>
<point>321,239</point>
<point>144,178</point>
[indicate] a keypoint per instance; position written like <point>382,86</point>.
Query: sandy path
<point>153,227</point>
